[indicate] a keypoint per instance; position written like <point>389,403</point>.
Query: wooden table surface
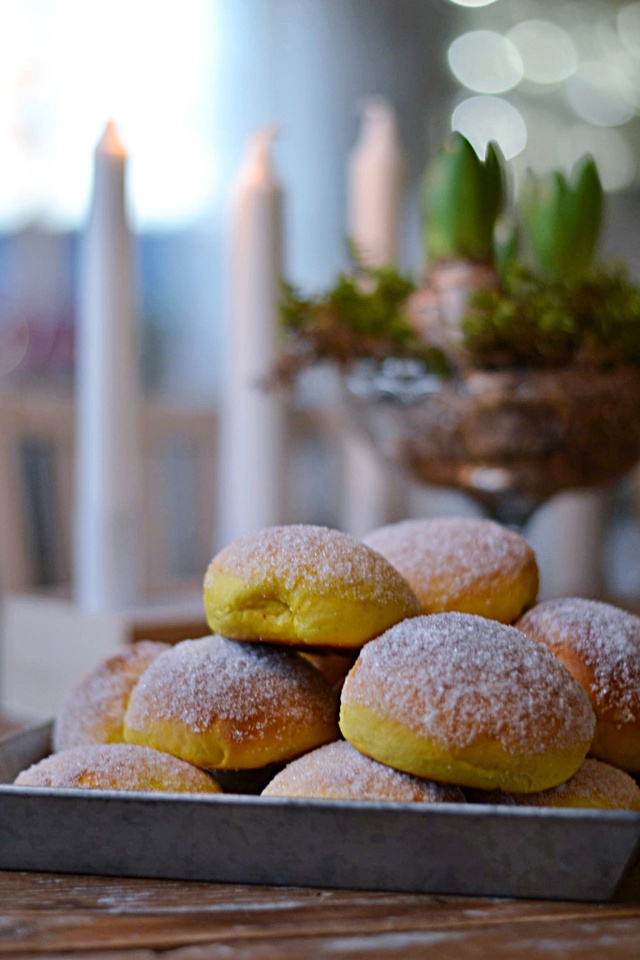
<point>54,916</point>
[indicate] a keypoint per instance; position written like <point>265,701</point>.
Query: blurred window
<point>68,65</point>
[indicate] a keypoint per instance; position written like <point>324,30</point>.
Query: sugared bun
<point>94,709</point>
<point>461,699</point>
<point>304,586</point>
<point>460,564</point>
<point>600,645</point>
<point>339,772</point>
<point>117,766</point>
<point>221,704</point>
<point>596,785</point>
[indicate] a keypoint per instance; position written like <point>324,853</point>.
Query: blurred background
<point>186,81</point>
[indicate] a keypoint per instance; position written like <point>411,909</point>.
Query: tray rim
<point>460,809</point>
<point>456,834</point>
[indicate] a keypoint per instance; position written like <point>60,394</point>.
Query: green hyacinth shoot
<point>552,305</point>
<point>561,220</point>
<point>463,197</point>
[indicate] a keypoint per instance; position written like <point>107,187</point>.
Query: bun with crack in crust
<point>304,586</point>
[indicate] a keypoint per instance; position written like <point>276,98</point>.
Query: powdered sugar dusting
<point>605,638</point>
<point>317,559</point>
<point>340,772</point>
<point>446,557</point>
<point>595,782</point>
<point>458,678</point>
<point>199,682</point>
<point>94,709</point>
<point>117,766</point>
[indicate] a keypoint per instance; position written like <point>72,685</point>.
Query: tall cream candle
<point>253,438</point>
<point>108,554</point>
<point>376,166</point>
<point>376,175</point>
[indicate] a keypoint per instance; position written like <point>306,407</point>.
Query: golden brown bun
<point>94,710</point>
<point>600,645</point>
<point>117,766</point>
<point>461,699</point>
<point>304,586</point>
<point>339,772</point>
<point>460,564</point>
<point>595,785</point>
<point>225,705</point>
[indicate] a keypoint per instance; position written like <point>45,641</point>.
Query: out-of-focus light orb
<point>485,61</point>
<point>607,37</point>
<point>472,3</point>
<point>543,131</point>
<point>628,21</point>
<point>483,119</point>
<point>547,51</point>
<point>596,93</point>
<point>628,70</point>
<point>610,149</point>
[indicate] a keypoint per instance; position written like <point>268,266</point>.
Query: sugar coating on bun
<point>595,785</point>
<point>600,645</point>
<point>461,564</point>
<point>338,771</point>
<point>222,704</point>
<point>461,699</point>
<point>94,710</point>
<point>304,585</point>
<point>117,766</point>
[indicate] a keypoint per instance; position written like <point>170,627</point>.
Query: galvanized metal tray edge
<point>440,848</point>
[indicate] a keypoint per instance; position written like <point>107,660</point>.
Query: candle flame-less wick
<point>257,160</point>
<point>111,143</point>
<point>378,120</point>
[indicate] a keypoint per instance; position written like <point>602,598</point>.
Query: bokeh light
<point>472,3</point>
<point>596,93</point>
<point>578,92</point>
<point>628,22</point>
<point>609,148</point>
<point>547,51</point>
<point>627,68</point>
<point>485,61</point>
<point>544,128</point>
<point>483,119</point>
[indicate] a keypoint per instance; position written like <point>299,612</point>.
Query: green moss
<point>535,323</point>
<point>361,316</point>
<point>529,322</point>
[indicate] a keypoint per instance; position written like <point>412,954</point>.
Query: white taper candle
<point>376,175</point>
<point>374,207</point>
<point>253,436</point>
<point>108,551</point>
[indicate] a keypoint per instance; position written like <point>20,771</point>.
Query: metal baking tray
<point>434,848</point>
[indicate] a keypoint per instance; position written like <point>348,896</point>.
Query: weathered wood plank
<point>615,939</point>
<point>45,914</point>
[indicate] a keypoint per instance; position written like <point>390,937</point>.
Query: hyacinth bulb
<point>463,197</point>
<point>561,221</point>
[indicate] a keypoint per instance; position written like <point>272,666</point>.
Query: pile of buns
<point>414,666</point>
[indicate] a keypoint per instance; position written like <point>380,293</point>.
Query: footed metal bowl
<point>510,438</point>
